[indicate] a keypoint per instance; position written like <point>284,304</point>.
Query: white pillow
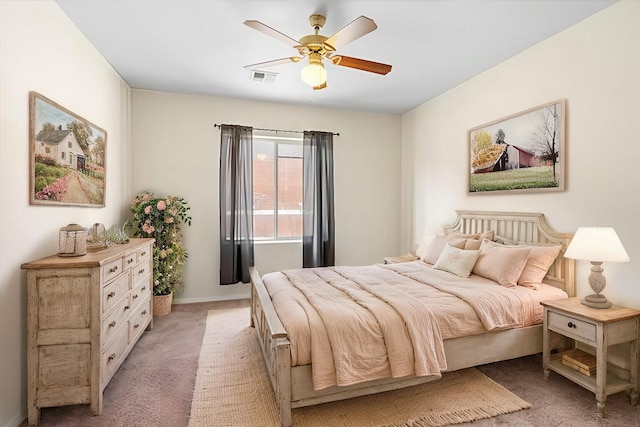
<point>457,261</point>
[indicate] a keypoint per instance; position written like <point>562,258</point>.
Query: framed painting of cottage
<point>67,156</point>
<point>523,152</point>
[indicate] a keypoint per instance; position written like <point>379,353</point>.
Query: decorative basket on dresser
<point>84,315</point>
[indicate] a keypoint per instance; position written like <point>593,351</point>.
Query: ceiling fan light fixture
<point>317,47</point>
<point>314,73</point>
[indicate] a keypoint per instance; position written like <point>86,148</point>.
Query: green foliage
<point>45,160</point>
<point>161,218</point>
<point>514,179</point>
<point>46,175</point>
<point>83,133</point>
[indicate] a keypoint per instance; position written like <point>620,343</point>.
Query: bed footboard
<point>275,344</point>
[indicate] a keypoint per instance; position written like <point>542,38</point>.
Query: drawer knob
<point>112,356</point>
<point>143,253</point>
<point>114,269</point>
<point>112,324</point>
<point>126,307</point>
<point>141,271</point>
<point>144,288</point>
<point>130,260</point>
<point>135,296</point>
<point>571,325</point>
<point>136,325</point>
<point>144,311</point>
<point>111,294</point>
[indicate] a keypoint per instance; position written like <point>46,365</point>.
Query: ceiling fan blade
<point>275,62</point>
<point>257,25</point>
<point>352,31</point>
<point>322,86</point>
<point>361,64</point>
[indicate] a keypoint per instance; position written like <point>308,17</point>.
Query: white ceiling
<point>202,46</point>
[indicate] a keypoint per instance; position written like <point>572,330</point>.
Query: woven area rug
<point>233,389</point>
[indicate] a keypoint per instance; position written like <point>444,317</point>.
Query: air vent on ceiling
<point>263,76</point>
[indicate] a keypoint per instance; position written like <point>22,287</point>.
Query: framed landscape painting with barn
<point>520,153</point>
<point>67,156</point>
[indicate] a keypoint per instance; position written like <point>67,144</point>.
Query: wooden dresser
<point>84,315</point>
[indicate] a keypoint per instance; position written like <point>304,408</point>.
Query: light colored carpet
<point>233,389</point>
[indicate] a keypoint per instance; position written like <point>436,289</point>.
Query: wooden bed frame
<point>293,385</point>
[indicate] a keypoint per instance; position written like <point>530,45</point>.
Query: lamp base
<point>596,301</point>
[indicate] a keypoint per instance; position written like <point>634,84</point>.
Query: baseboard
<point>17,421</point>
<point>211,299</point>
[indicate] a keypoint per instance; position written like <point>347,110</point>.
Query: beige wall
<point>177,151</point>
<point>41,50</point>
<point>594,66</point>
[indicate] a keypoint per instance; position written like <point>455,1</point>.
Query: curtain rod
<point>279,130</point>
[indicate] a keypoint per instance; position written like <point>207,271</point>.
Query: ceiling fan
<point>317,47</point>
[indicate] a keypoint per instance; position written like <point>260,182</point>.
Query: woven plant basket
<point>162,304</point>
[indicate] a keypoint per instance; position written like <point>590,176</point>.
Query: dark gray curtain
<point>318,224</point>
<point>236,204</point>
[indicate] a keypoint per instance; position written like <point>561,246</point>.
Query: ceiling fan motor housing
<point>317,21</point>
<point>315,43</point>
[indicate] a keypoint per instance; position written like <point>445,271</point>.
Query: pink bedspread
<point>356,324</point>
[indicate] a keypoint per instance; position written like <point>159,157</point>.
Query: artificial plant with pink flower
<point>161,218</point>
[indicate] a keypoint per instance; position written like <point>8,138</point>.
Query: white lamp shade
<point>600,244</point>
<point>314,74</point>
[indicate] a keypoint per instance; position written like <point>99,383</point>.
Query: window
<point>277,188</point>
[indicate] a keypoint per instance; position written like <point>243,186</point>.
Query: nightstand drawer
<point>572,326</point>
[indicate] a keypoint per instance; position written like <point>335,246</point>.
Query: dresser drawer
<point>140,319</point>
<point>139,293</point>
<point>141,272</point>
<point>115,320</point>
<point>114,353</point>
<point>114,292</point>
<point>572,327</point>
<point>112,269</point>
<point>143,253</point>
<point>130,260</point>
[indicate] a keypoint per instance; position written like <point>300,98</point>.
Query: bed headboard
<point>522,227</point>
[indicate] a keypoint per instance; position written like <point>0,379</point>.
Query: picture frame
<point>67,156</point>
<point>523,152</point>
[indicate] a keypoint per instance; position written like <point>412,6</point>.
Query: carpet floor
<point>233,388</point>
<point>154,386</point>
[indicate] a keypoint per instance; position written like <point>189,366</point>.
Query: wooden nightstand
<point>401,258</point>
<point>599,328</point>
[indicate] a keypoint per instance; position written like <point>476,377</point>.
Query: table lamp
<point>598,245</point>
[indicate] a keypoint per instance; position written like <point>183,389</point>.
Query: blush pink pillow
<point>538,263</point>
<point>479,236</point>
<point>433,251</point>
<point>500,263</point>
